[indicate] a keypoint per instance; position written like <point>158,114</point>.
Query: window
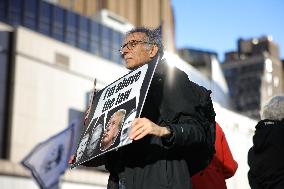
<point>58,23</point>
<point>70,31</point>
<point>30,10</point>
<point>117,39</point>
<point>106,42</point>
<point>44,25</point>
<point>83,33</point>
<point>14,12</point>
<point>3,9</point>
<point>95,37</point>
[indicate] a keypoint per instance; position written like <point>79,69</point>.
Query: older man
<point>173,131</point>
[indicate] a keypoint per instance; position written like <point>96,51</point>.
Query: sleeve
<point>185,133</point>
<point>186,108</point>
<point>229,165</point>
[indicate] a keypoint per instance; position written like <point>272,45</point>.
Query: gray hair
<point>120,113</point>
<point>153,36</point>
<point>274,108</point>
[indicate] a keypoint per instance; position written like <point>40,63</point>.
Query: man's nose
<point>124,51</point>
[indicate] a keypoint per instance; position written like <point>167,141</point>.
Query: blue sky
<point>215,25</point>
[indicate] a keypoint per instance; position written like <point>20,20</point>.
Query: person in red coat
<point>222,166</point>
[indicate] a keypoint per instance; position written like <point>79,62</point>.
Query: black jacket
<point>266,156</point>
<point>157,163</point>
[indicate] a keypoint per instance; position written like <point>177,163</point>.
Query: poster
<point>112,111</point>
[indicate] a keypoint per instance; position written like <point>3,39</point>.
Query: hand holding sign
<point>143,126</point>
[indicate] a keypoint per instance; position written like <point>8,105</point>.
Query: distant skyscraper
<point>253,74</point>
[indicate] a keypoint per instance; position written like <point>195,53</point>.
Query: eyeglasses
<point>131,44</point>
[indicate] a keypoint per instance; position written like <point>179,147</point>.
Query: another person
<point>174,125</point>
<point>124,138</point>
<point>222,166</point>
<point>112,129</point>
<point>97,130</point>
<point>82,146</point>
<point>266,156</point>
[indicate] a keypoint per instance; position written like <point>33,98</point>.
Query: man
<point>112,129</point>
<point>173,126</point>
<point>82,146</point>
<point>97,130</point>
<point>124,139</point>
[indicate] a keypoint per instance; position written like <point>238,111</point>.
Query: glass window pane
<point>44,24</point>
<point>83,33</point>
<point>106,52</point>
<point>30,13</point>
<point>58,23</point>
<point>14,12</point>
<point>3,9</point>
<point>71,25</point>
<point>94,47</point>
<point>106,37</point>
<point>95,30</point>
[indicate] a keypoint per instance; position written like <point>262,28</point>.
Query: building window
<point>83,33</point>
<point>30,10</point>
<point>70,30</point>
<point>3,9</point>
<point>14,12</point>
<point>106,42</point>
<point>44,23</point>
<point>58,23</point>
<point>117,39</point>
<point>95,37</point>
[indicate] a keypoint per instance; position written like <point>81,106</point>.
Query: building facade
<point>253,74</point>
<point>148,13</point>
<point>49,58</point>
<point>199,59</point>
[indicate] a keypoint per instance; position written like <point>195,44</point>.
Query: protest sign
<point>112,111</point>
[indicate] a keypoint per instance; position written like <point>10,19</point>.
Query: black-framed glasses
<point>131,44</point>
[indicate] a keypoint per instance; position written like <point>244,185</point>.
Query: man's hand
<point>142,126</point>
<point>72,159</point>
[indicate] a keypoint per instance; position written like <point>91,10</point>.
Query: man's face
<point>95,138</point>
<point>126,128</point>
<point>82,146</point>
<point>138,54</point>
<point>111,130</point>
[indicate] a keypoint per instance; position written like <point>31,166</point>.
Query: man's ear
<point>153,51</point>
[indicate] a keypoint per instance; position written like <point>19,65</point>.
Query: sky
<point>216,25</point>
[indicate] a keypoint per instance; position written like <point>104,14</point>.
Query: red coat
<point>222,166</point>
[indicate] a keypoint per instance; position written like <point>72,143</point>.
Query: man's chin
<point>129,65</point>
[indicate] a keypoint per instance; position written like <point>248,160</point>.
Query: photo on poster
<point>115,122</point>
<point>96,134</point>
<point>112,129</point>
<point>124,139</point>
<point>83,143</point>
